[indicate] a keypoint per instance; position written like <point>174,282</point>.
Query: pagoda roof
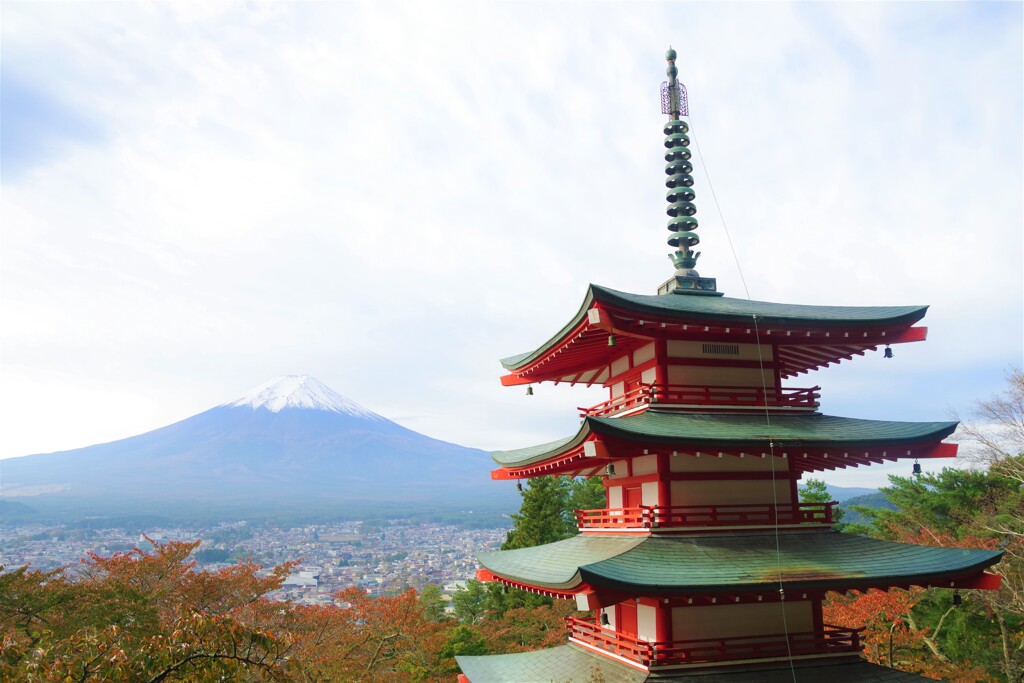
<point>735,562</point>
<point>789,435</point>
<point>571,664</point>
<point>628,314</point>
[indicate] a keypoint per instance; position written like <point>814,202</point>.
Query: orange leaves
<point>151,616</point>
<point>372,639</point>
<point>528,628</point>
<point>138,616</point>
<point>875,607</point>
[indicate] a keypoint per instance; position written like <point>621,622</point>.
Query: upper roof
<point>871,325</point>
<point>854,441</point>
<point>714,563</point>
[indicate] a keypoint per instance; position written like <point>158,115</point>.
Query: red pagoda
<point>705,566</point>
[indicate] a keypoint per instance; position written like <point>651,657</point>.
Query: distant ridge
<point>841,493</point>
<point>290,441</point>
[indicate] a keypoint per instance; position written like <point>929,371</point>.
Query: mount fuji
<point>291,441</point>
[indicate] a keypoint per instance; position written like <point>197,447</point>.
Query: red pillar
<point>664,481</point>
<point>663,622</point>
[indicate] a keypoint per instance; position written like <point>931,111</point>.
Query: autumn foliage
<point>150,615</point>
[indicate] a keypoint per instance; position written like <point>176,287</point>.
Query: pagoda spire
<point>681,209</point>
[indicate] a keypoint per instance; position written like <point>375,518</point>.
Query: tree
<point>434,603</point>
<point>528,628</point>
<point>543,516</point>
<point>140,616</point>
<point>389,638</point>
<point>462,640</point>
<point>995,439</point>
<point>470,602</point>
<point>586,493</point>
<point>816,491</point>
<point>968,508</point>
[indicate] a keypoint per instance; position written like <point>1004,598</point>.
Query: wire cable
<point>764,391</point>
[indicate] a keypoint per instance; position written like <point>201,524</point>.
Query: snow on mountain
<point>300,391</point>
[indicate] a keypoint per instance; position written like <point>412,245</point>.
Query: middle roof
<point>808,440</point>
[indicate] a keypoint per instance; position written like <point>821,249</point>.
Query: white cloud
<point>391,196</point>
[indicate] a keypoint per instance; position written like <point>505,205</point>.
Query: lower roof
<point>722,563</point>
<point>570,664</point>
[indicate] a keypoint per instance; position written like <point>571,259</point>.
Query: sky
<point>390,196</point>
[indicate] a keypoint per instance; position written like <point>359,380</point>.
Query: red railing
<point>658,516</point>
<point>722,397</point>
<point>831,639</point>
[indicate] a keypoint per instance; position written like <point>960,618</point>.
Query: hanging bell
<point>604,618</point>
<point>610,470</point>
<point>888,352</point>
<point>611,340</point>
<point>917,467</point>
<point>529,391</point>
<point>957,600</point>
<point>519,486</point>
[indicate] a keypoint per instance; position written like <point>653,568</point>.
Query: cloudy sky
<point>391,196</point>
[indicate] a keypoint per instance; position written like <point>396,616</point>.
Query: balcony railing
<point>694,395</point>
<point>832,639</point>
<point>657,516</point>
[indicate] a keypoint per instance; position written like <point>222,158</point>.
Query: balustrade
<point>651,654</point>
<point>711,396</point>
<point>658,516</point>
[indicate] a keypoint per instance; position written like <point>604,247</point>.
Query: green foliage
<point>463,640</point>
<point>815,491</point>
<point>952,501</point>
<point>470,603</point>
<point>586,493</point>
<point>501,599</point>
<point>965,508</point>
<point>857,511</point>
<point>544,516</point>
<point>434,603</point>
<point>208,555</point>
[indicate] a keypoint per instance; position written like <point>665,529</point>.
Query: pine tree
<point>816,491</point>
<point>544,516</point>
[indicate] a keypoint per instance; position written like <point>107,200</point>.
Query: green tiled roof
<point>570,664</point>
<point>725,309</point>
<point>565,664</point>
<point>723,430</point>
<point>710,563</point>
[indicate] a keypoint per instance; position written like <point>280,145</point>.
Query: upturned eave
<point>808,337</point>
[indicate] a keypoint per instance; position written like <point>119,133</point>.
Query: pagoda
<point>704,565</point>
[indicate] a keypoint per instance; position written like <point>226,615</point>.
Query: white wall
<point>614,496</point>
<point>702,375</point>
<point>649,493</point>
<point>721,621</point>
<point>712,463</point>
<point>729,492</point>
<point>646,623</point>
<point>645,464</point>
<point>643,354</point>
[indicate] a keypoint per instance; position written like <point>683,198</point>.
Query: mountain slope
<point>291,439</point>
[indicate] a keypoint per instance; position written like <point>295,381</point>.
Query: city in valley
<point>380,556</point>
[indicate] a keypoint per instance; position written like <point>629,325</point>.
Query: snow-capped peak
<point>300,391</point>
